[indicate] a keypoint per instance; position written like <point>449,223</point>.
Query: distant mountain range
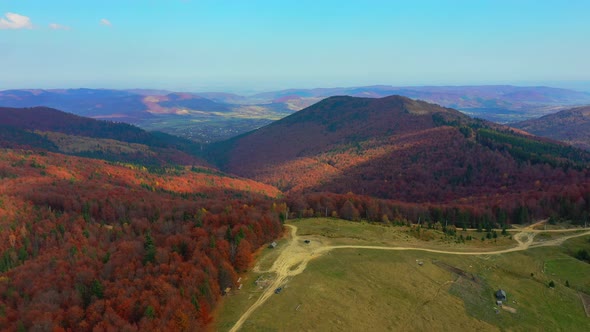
<point>214,116</point>
<point>122,105</point>
<point>185,114</point>
<point>117,104</point>
<point>571,126</point>
<point>499,103</point>
<point>395,148</point>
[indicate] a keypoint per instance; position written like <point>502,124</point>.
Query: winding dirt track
<point>295,256</point>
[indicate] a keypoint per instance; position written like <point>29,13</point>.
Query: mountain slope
<point>333,121</point>
<point>37,128</point>
<point>87,245</point>
<point>571,126</point>
<point>395,148</point>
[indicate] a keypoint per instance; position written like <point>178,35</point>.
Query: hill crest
<point>390,148</point>
<point>327,124</point>
<point>571,126</point>
<point>33,128</point>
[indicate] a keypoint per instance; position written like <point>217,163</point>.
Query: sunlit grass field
<point>374,290</point>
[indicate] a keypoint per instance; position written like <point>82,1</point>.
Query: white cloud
<point>15,21</point>
<point>55,26</point>
<point>105,22</point>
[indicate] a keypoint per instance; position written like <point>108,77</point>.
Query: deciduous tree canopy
<point>85,244</point>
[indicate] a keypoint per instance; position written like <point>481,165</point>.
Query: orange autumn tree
<point>74,258</point>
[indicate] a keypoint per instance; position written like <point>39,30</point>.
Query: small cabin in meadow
<point>501,295</point>
<point>272,245</point>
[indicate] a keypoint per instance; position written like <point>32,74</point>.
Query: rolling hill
<point>571,126</point>
<point>54,130</point>
<point>402,149</point>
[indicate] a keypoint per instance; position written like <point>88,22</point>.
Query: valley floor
<point>360,275</point>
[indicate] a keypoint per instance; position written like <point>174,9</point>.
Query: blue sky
<point>248,45</point>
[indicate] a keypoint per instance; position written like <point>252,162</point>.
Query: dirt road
<point>292,261</point>
<point>295,256</point>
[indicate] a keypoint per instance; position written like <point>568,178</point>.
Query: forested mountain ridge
<point>391,147</point>
<point>54,130</point>
<point>571,126</point>
<point>333,121</point>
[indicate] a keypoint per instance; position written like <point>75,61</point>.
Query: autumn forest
<point>141,231</point>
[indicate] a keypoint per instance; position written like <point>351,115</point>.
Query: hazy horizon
<point>582,86</point>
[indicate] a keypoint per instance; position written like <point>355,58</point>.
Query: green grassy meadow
<point>374,290</point>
